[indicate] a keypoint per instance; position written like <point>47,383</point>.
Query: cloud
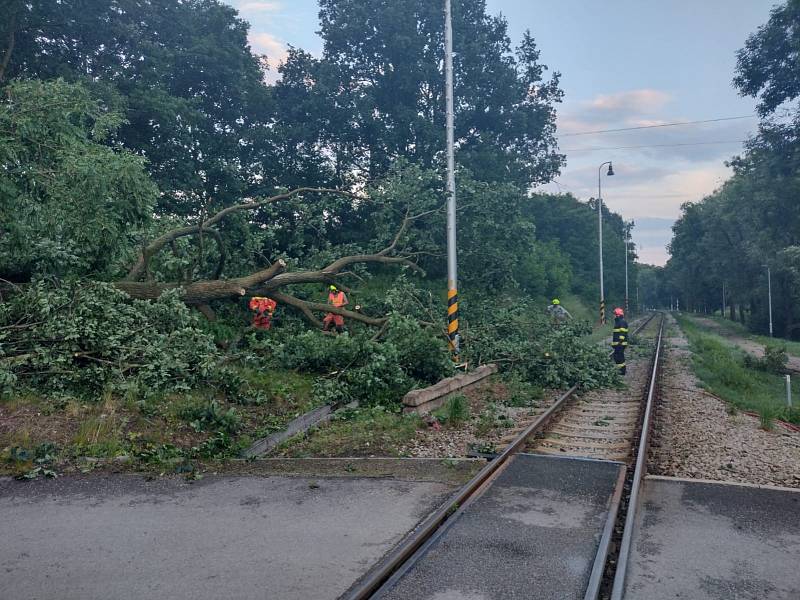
<point>632,101</point>
<point>260,6</point>
<point>275,49</point>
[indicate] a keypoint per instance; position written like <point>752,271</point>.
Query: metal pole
<point>769,289</point>
<point>627,234</point>
<point>600,238</point>
<point>789,391</point>
<point>452,263</point>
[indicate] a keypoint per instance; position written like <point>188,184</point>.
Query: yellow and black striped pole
<point>452,263</point>
<point>602,312</point>
<point>452,321</point>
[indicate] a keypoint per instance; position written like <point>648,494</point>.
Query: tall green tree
<point>69,203</point>
<point>377,92</point>
<point>192,92</point>
<point>768,66</point>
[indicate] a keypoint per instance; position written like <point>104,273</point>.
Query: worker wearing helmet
<point>263,308</point>
<point>619,341</point>
<point>558,313</point>
<point>336,298</point>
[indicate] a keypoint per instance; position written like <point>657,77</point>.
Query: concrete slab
<point>533,534</point>
<point>715,541</point>
<point>123,537</point>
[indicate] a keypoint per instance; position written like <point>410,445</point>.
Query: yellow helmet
<point>556,301</point>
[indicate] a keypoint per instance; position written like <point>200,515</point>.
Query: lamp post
<point>452,263</point>
<point>769,295</point>
<point>723,300</point>
<point>600,234</point>
<point>627,239</point>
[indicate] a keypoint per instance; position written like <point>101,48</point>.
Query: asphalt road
<point>238,538</point>
<point>714,541</point>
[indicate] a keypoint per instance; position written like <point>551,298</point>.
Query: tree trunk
<point>202,292</point>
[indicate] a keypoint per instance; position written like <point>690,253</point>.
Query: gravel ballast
<point>696,437</point>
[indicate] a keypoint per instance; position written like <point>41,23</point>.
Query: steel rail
<point>375,578</point>
<point>416,541</point>
<point>603,549</point>
<point>618,588</point>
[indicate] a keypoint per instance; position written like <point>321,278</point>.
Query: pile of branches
<point>83,338</point>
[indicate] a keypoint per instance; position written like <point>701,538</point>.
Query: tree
<point>191,92</point>
<point>377,92</point>
<point>769,64</point>
<point>69,203</point>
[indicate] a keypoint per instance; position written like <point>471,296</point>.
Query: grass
<point>361,432</point>
<point>455,411</point>
<point>723,371</point>
<point>737,329</point>
<point>197,425</point>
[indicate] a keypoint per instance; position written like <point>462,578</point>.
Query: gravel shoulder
<point>697,437</point>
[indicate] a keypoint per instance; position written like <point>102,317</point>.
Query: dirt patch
<point>697,437</point>
<point>451,471</point>
<point>491,421</point>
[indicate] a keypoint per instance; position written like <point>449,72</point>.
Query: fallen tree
<point>265,282</point>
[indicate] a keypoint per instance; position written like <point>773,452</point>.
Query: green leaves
<point>84,337</point>
<point>70,204</point>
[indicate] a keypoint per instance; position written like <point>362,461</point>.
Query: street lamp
<point>769,293</point>
<point>600,234</point>
<point>627,239</point>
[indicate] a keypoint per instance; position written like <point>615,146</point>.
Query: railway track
<point>604,431</point>
<point>596,426</point>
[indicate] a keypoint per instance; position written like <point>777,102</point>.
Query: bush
<point>517,333</point>
<point>371,372</point>
<point>83,338</point>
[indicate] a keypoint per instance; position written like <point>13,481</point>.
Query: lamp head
<point>610,170</point>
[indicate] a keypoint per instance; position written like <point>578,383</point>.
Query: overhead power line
<point>596,149</point>
<point>675,124</point>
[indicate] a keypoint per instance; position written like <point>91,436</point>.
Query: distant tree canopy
<point>753,220</point>
<point>563,220</point>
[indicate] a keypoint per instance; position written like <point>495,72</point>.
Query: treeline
<point>752,222</point>
<point>122,120</point>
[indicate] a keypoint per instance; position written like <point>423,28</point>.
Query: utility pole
<point>627,239</point>
<point>723,300</point>
<point>600,235</point>
<point>452,261</point>
<point>769,292</point>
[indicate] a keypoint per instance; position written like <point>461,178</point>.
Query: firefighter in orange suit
<point>336,298</point>
<point>263,307</point>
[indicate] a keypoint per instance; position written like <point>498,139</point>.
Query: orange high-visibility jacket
<point>338,299</point>
<point>261,304</point>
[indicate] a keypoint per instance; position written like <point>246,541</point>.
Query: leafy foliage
<point>517,334</point>
<point>69,204</point>
<point>85,337</point>
<point>359,368</point>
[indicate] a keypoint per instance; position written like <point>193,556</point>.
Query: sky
<point>623,63</point>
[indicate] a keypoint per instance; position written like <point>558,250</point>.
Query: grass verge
<point>356,432</point>
<point>722,370</point>
<point>167,433</point>
<point>737,329</point>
